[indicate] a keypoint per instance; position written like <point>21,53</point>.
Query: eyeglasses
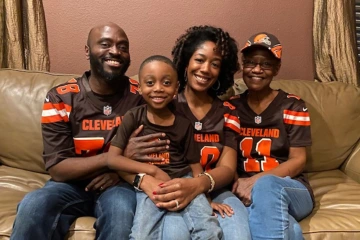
<point>253,64</point>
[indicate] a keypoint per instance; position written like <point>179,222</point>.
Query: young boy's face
<point>158,84</point>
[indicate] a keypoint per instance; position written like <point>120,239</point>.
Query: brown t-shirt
<point>77,123</point>
<point>182,150</point>
<point>265,139</point>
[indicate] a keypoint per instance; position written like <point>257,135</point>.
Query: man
<point>79,119</point>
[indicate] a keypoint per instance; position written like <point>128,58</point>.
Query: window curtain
<point>23,36</point>
<point>334,38</point>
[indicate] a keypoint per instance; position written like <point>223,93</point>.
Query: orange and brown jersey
<point>77,122</point>
<point>217,129</point>
<point>265,139</point>
<point>182,150</point>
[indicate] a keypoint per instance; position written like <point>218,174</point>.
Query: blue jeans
<point>48,212</point>
<point>197,217</point>
<point>277,204</point>
<point>234,228</point>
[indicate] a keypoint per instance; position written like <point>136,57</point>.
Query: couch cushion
<point>335,116</point>
<point>337,210</point>
<point>14,184</point>
<point>21,98</point>
<point>82,229</point>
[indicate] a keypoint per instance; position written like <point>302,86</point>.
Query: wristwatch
<point>137,181</point>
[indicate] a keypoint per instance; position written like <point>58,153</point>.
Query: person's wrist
<point>152,170</point>
<point>210,178</point>
<point>203,184</point>
<point>104,159</point>
<point>144,182</point>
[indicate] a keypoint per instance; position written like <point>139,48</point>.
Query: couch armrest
<point>351,166</point>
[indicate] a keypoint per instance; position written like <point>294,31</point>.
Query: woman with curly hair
<point>206,61</point>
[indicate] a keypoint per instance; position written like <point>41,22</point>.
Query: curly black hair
<point>187,44</point>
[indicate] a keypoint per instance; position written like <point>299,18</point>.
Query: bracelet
<point>212,182</point>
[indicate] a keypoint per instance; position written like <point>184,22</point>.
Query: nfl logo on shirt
<point>198,126</point>
<point>257,119</point>
<point>107,110</point>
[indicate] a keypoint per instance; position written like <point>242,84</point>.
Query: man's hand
<point>138,148</point>
<point>242,188</point>
<point>103,181</point>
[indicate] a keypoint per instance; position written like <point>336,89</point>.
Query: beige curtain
<point>335,50</point>
<point>23,37</point>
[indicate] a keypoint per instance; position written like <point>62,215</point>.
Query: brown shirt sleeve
<point>297,122</point>
<point>124,131</point>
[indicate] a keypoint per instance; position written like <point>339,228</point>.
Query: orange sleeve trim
<point>295,122</point>
<point>232,122</point>
<point>231,117</point>
<point>298,114</point>
<point>54,119</point>
<point>233,127</point>
<point>57,106</point>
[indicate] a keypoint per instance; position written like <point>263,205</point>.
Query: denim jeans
<point>196,217</point>
<point>48,212</point>
<point>234,228</point>
<point>277,204</point>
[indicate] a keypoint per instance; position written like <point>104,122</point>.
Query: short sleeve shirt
<point>78,123</point>
<point>265,139</point>
<point>218,128</point>
<point>182,150</point>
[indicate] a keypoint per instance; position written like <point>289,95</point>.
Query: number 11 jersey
<point>265,139</point>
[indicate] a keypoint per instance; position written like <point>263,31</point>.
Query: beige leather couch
<point>333,160</point>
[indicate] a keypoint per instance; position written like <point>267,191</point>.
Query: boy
<point>158,85</point>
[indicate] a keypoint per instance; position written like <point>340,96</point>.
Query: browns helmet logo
<point>277,50</point>
<point>262,38</point>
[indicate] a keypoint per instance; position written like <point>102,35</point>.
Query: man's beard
<point>97,65</point>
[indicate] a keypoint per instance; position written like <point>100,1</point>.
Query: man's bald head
<point>108,51</point>
<point>95,31</point>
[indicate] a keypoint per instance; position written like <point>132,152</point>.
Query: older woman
<point>275,129</point>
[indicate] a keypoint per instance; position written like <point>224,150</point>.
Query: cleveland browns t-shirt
<point>182,150</point>
<point>218,128</point>
<point>265,139</point>
<point>77,122</point>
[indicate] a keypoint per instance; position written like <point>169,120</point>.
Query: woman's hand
<point>222,209</point>
<point>138,148</point>
<point>103,181</point>
<point>242,188</point>
<point>177,193</point>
